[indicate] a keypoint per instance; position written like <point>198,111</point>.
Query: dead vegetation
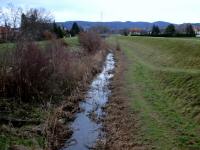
<point>65,113</point>
<point>49,79</point>
<point>91,41</point>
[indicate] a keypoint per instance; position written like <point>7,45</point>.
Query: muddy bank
<point>120,123</point>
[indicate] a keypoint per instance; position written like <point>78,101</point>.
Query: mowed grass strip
<point>163,84</point>
<point>176,53</point>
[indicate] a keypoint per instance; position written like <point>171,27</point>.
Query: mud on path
<point>121,123</point>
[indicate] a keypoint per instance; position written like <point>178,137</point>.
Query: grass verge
<point>163,86</point>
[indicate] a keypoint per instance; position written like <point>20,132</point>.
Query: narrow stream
<point>86,130</point>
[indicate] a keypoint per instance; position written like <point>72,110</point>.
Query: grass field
<point>73,45</point>
<point>163,84</point>
<point>72,42</point>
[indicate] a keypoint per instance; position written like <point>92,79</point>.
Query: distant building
<point>3,32</point>
<point>137,31</point>
<point>7,33</point>
<point>197,30</point>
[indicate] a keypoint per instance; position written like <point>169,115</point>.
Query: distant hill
<point>116,25</point>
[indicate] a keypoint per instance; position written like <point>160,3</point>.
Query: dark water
<point>86,131</point>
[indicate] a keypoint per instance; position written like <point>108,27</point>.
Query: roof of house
<point>3,29</point>
<point>136,30</point>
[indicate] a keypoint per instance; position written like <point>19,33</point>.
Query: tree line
<point>170,31</point>
<point>34,24</point>
<point>60,31</point>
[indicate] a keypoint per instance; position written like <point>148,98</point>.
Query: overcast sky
<point>175,11</point>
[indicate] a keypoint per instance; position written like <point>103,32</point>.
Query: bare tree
<point>35,22</point>
<point>15,15</point>
<point>10,17</point>
<point>4,17</point>
<point>1,16</point>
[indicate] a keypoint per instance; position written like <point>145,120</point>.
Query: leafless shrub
<point>91,41</point>
<point>6,60</point>
<point>31,71</point>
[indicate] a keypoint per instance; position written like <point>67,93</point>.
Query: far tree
<point>66,33</point>
<point>35,22</point>
<point>125,32</point>
<point>75,29</point>
<point>59,32</point>
<point>23,21</point>
<point>190,31</point>
<point>170,30</point>
<point>55,28</point>
<point>155,30</point>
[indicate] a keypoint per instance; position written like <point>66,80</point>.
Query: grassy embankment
<point>163,84</point>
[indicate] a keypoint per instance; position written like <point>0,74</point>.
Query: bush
<point>48,35</point>
<point>90,41</point>
<point>37,72</point>
<point>31,70</point>
<point>32,73</point>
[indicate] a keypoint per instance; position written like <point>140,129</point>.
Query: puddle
<point>86,131</point>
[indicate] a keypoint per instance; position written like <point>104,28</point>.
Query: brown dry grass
<point>91,41</point>
<point>57,129</point>
<point>70,74</point>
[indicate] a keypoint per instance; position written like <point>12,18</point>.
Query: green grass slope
<point>163,84</point>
